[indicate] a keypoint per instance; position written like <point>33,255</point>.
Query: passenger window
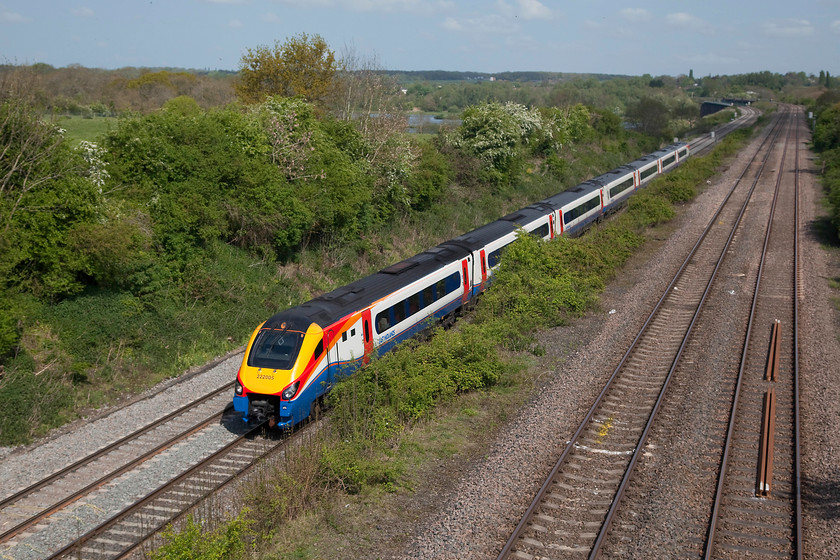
<point>382,322</point>
<point>399,312</point>
<point>414,304</point>
<point>428,296</point>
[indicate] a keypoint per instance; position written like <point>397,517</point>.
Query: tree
<point>827,129</point>
<point>650,115</point>
<point>302,66</point>
<point>371,99</point>
<point>46,190</point>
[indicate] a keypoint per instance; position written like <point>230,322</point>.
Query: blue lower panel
<point>240,404</point>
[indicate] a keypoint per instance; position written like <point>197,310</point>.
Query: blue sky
<point>599,36</point>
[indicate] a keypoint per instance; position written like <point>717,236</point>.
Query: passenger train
<point>296,356</point>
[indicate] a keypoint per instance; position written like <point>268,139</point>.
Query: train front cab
<point>282,373</point>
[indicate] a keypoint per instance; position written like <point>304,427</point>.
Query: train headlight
<point>237,388</point>
<point>290,391</point>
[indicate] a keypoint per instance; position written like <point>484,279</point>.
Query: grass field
<point>80,128</point>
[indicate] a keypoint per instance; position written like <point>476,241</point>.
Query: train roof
<point>480,237</point>
<point>669,149</point>
<point>330,307</point>
<point>610,176</point>
<point>562,199</point>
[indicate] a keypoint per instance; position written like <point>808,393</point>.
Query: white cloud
<point>789,28</point>
<point>689,21</point>
<point>491,24</point>
<point>531,9</point>
<point>235,23</point>
<point>451,24</point>
<point>7,16</point>
<point>82,11</point>
<point>635,14</point>
<point>835,26</point>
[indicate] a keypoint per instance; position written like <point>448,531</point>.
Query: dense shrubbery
<point>827,143</point>
<point>162,246</point>
<point>124,239</point>
<point>505,138</point>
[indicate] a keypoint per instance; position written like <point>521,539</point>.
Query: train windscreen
<point>275,349</point>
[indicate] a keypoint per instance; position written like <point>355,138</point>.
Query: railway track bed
<point>131,464</point>
<point>673,465</point>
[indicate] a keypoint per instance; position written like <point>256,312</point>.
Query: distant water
<point>429,124</point>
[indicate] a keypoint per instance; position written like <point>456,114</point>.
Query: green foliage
<point>677,189</point>
<point>827,129</point>
<point>372,407</point>
<point>353,464</point>
<point>228,542</point>
<point>649,210</point>
<point>650,115</point>
<point>496,134</point>
<point>430,180</point>
<point>827,142</point>
<point>45,192</point>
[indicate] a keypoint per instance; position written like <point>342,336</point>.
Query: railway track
<point>122,534</point>
<point>574,510</point>
<point>35,509</point>
<point>757,508</point>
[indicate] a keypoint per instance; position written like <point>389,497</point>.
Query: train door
<point>331,344</point>
<point>551,226</point>
<point>483,258</point>
<point>465,278</point>
<point>367,334</point>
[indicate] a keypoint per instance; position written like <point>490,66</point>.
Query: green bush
<point>192,542</point>
<point>428,183</point>
<point>649,210</point>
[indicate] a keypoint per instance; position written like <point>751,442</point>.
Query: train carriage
<point>295,356</point>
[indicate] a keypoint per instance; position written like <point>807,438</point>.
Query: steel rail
<point>797,473</point>
<point>616,502</point>
<point>733,411</point>
<point>11,532</point>
<point>114,519</point>
<point>511,542</point>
